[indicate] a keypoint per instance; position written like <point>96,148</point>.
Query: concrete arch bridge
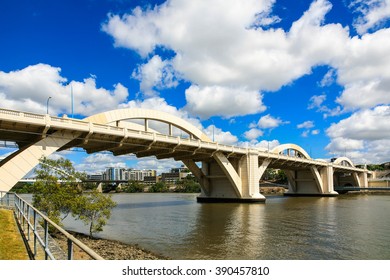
<point>226,173</point>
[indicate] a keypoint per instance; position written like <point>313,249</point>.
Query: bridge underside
<point>226,173</point>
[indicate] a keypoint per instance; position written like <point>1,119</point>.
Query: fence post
<point>46,238</point>
<point>70,249</point>
<point>35,233</point>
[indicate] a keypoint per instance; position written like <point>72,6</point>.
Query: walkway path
<point>11,243</point>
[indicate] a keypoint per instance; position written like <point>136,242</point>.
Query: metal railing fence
<point>34,227</point>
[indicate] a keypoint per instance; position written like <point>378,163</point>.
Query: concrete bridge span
<point>225,172</point>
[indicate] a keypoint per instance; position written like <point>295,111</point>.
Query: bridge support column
<point>363,178</point>
<point>318,181</point>
<point>100,188</point>
<point>231,179</point>
<point>17,165</point>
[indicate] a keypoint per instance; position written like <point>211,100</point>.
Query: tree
<point>188,185</point>
<point>56,190</point>
<point>57,194</point>
<point>134,187</point>
<point>159,187</point>
<point>94,208</point>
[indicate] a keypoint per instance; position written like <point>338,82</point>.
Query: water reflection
<point>344,227</point>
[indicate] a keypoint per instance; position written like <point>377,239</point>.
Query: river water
<point>175,225</point>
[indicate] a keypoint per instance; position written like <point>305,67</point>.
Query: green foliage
<point>275,175</point>
<point>94,208</point>
<point>21,187</point>
<point>281,177</point>
<point>187,185</point>
<point>159,187</point>
<point>133,187</point>
<point>57,194</point>
<point>56,190</point>
<point>375,167</point>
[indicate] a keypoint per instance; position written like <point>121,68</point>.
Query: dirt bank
<point>109,249</point>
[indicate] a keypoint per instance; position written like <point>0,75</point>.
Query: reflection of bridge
<point>226,172</point>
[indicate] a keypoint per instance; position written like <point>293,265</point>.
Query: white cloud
<point>364,71</point>
<point>369,124</point>
<point>28,89</point>
<point>220,136</point>
<point>268,121</point>
<point>228,53</point>
<point>372,13</point>
<point>339,145</point>
<point>306,124</point>
<point>155,74</point>
<point>364,133</point>
<point>131,26</point>
<point>263,145</point>
<point>98,162</point>
<point>329,78</point>
<point>223,101</point>
<point>160,104</point>
<point>316,102</point>
<point>253,134</point>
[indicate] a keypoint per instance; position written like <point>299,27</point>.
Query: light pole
<point>47,105</point>
<point>213,128</point>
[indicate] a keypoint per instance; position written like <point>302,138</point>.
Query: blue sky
<point>256,72</point>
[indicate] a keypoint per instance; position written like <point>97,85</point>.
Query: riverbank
<point>108,249</point>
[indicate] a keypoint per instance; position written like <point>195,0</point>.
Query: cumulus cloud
<point>223,101</point>
<point>365,71</point>
<point>229,53</point>
<point>268,121</point>
<point>317,102</point>
<point>306,124</point>
<point>158,103</point>
<point>364,132</point>
<point>98,162</point>
<point>329,78</point>
<point>220,136</point>
<point>253,134</point>
<point>29,88</point>
<point>372,13</point>
<point>369,124</point>
<point>154,75</point>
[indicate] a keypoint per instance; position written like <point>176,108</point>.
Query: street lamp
<point>47,105</point>
<point>213,128</point>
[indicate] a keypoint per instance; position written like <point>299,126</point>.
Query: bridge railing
<point>95,128</point>
<point>34,227</point>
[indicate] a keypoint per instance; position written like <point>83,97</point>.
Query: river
<point>175,225</point>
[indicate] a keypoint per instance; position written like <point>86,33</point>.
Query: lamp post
<point>213,128</point>
<point>47,105</point>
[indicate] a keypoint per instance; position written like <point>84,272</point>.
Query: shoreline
<point>108,249</point>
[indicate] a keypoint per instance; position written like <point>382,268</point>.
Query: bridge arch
<point>291,150</point>
<point>114,116</point>
<point>344,161</point>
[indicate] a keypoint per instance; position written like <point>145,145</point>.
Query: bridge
<point>225,172</point>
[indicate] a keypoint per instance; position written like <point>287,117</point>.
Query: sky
<point>254,73</point>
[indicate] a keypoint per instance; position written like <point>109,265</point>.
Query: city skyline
<point>258,73</point>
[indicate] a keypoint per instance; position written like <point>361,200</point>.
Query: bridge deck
<point>26,128</point>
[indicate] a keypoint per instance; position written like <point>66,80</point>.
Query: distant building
<point>124,174</point>
<point>176,174</point>
<point>95,177</point>
<point>151,180</point>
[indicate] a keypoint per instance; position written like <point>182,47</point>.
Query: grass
<point>11,243</point>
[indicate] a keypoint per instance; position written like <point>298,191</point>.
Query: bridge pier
<point>315,181</point>
<point>225,179</point>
